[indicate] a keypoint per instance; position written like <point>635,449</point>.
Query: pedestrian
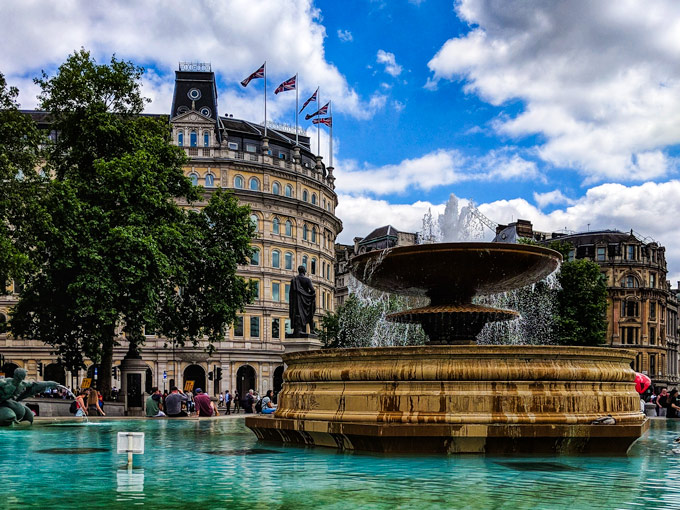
<point>204,404</point>
<point>154,405</point>
<point>237,402</point>
<point>661,402</point>
<point>81,408</point>
<point>93,407</point>
<point>673,406</point>
<point>221,400</point>
<point>173,403</point>
<point>227,401</point>
<point>249,402</point>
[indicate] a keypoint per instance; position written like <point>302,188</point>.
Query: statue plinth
<point>133,382</point>
<point>301,342</point>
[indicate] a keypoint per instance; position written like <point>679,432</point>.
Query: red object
<point>642,382</point>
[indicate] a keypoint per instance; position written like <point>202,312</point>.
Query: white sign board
<point>131,442</point>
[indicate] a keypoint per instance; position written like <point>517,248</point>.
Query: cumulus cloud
<point>345,35</point>
<point>390,62</point>
<point>599,80</point>
<point>227,34</point>
<point>551,197</point>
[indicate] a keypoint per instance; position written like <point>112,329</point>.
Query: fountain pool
<point>220,464</point>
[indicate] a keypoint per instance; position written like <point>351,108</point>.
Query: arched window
<point>276,258</point>
<point>276,188</point>
<point>238,182</point>
<point>288,260</point>
<point>193,139</point>
<point>630,282</point>
<point>209,181</point>
<point>180,138</point>
<point>304,261</point>
<point>254,184</point>
<point>313,198</point>
<point>255,257</point>
<point>289,228</point>
<point>289,190</point>
<point>305,195</point>
<point>206,139</point>
<point>313,234</point>
<point>305,232</point>
<point>194,178</point>
<point>254,220</point>
<point>276,226</point>
<point>313,269</point>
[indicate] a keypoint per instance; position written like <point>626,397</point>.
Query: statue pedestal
<point>133,382</point>
<point>302,342</point>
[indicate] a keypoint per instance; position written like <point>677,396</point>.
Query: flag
<point>312,98</point>
<point>321,111</point>
<point>286,85</point>
<point>257,74</point>
<point>328,121</point>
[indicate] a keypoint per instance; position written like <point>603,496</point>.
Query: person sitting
<point>173,403</point>
<point>268,407</point>
<point>153,404</point>
<point>204,404</point>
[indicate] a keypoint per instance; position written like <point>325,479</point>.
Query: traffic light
<point>218,374</point>
<point>40,368</point>
<point>210,376</point>
<point>114,372</point>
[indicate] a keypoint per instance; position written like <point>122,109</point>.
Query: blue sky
<point>563,113</point>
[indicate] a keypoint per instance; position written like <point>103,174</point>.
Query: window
<point>328,272</point>
<point>630,308</point>
<point>253,221</point>
<point>324,203</point>
<point>276,226</point>
<point>600,253</point>
<point>238,326</point>
<point>255,284</point>
<point>276,328</point>
<point>313,198</point>
<point>233,146</point>
<point>313,234</point>
<point>287,326</point>
<point>304,261</point>
<point>652,280</point>
<point>276,292</point>
<point>209,181</point>
<point>652,365</point>
<point>282,155</point>
<point>251,147</point>
<point>255,257</point>
<point>323,268</point>
<point>630,252</point>
<point>276,258</point>
<point>288,260</point>
<point>206,139</point>
<point>255,327</point>
<point>305,195</point>
<point>652,310</point>
<point>571,255</point>
<point>206,112</point>
<point>276,188</point>
<point>194,94</point>
<point>313,270</point>
<point>180,138</point>
<point>193,178</point>
<point>286,294</point>
<point>305,232</point>
<point>630,282</point>
<point>652,335</point>
<point>289,190</point>
<point>289,228</point>
<point>193,139</point>
<point>629,335</point>
<point>254,184</point>
<point>238,182</point>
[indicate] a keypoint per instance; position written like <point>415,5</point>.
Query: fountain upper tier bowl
<point>455,271</point>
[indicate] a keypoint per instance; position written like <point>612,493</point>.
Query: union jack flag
<point>257,74</point>
<point>321,111</point>
<point>286,85</point>
<point>312,98</point>
<point>328,121</point>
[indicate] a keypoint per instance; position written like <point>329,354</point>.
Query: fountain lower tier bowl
<point>458,399</point>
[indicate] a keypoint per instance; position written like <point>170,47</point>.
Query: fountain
<point>451,395</point>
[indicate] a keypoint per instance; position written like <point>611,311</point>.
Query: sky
<point>564,113</point>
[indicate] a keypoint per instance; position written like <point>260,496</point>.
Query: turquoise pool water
<point>219,464</point>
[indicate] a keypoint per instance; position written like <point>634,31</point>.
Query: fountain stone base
<point>458,399</point>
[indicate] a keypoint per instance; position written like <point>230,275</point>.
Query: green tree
<point>20,183</point>
<point>117,250</point>
<point>581,304</point>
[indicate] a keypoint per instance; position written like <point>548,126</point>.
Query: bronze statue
<point>301,303</point>
<point>14,389</point>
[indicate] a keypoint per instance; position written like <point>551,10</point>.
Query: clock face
<point>182,109</point>
<point>194,94</point>
<point>205,111</point>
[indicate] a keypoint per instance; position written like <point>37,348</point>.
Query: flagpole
<point>318,126</point>
<point>265,98</point>
<point>297,97</point>
<point>330,116</point>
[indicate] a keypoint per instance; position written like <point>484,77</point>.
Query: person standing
<point>173,403</point>
<point>227,401</point>
<point>93,407</point>
<point>237,402</point>
<point>661,402</point>
<point>153,404</point>
<point>673,406</point>
<point>249,402</point>
<point>204,404</point>
<point>221,400</point>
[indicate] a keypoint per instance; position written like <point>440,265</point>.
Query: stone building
<point>293,201</point>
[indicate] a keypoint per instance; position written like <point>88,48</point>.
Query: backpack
<point>73,409</point>
<point>258,406</point>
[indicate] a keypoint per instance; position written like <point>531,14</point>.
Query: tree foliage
<point>117,250</point>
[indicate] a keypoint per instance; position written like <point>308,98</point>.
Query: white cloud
<point>552,197</point>
<point>398,106</point>
<point>39,35</point>
<point>345,35</point>
<point>390,62</point>
<point>599,80</point>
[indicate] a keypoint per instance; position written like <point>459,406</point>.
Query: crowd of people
<point>667,403</point>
